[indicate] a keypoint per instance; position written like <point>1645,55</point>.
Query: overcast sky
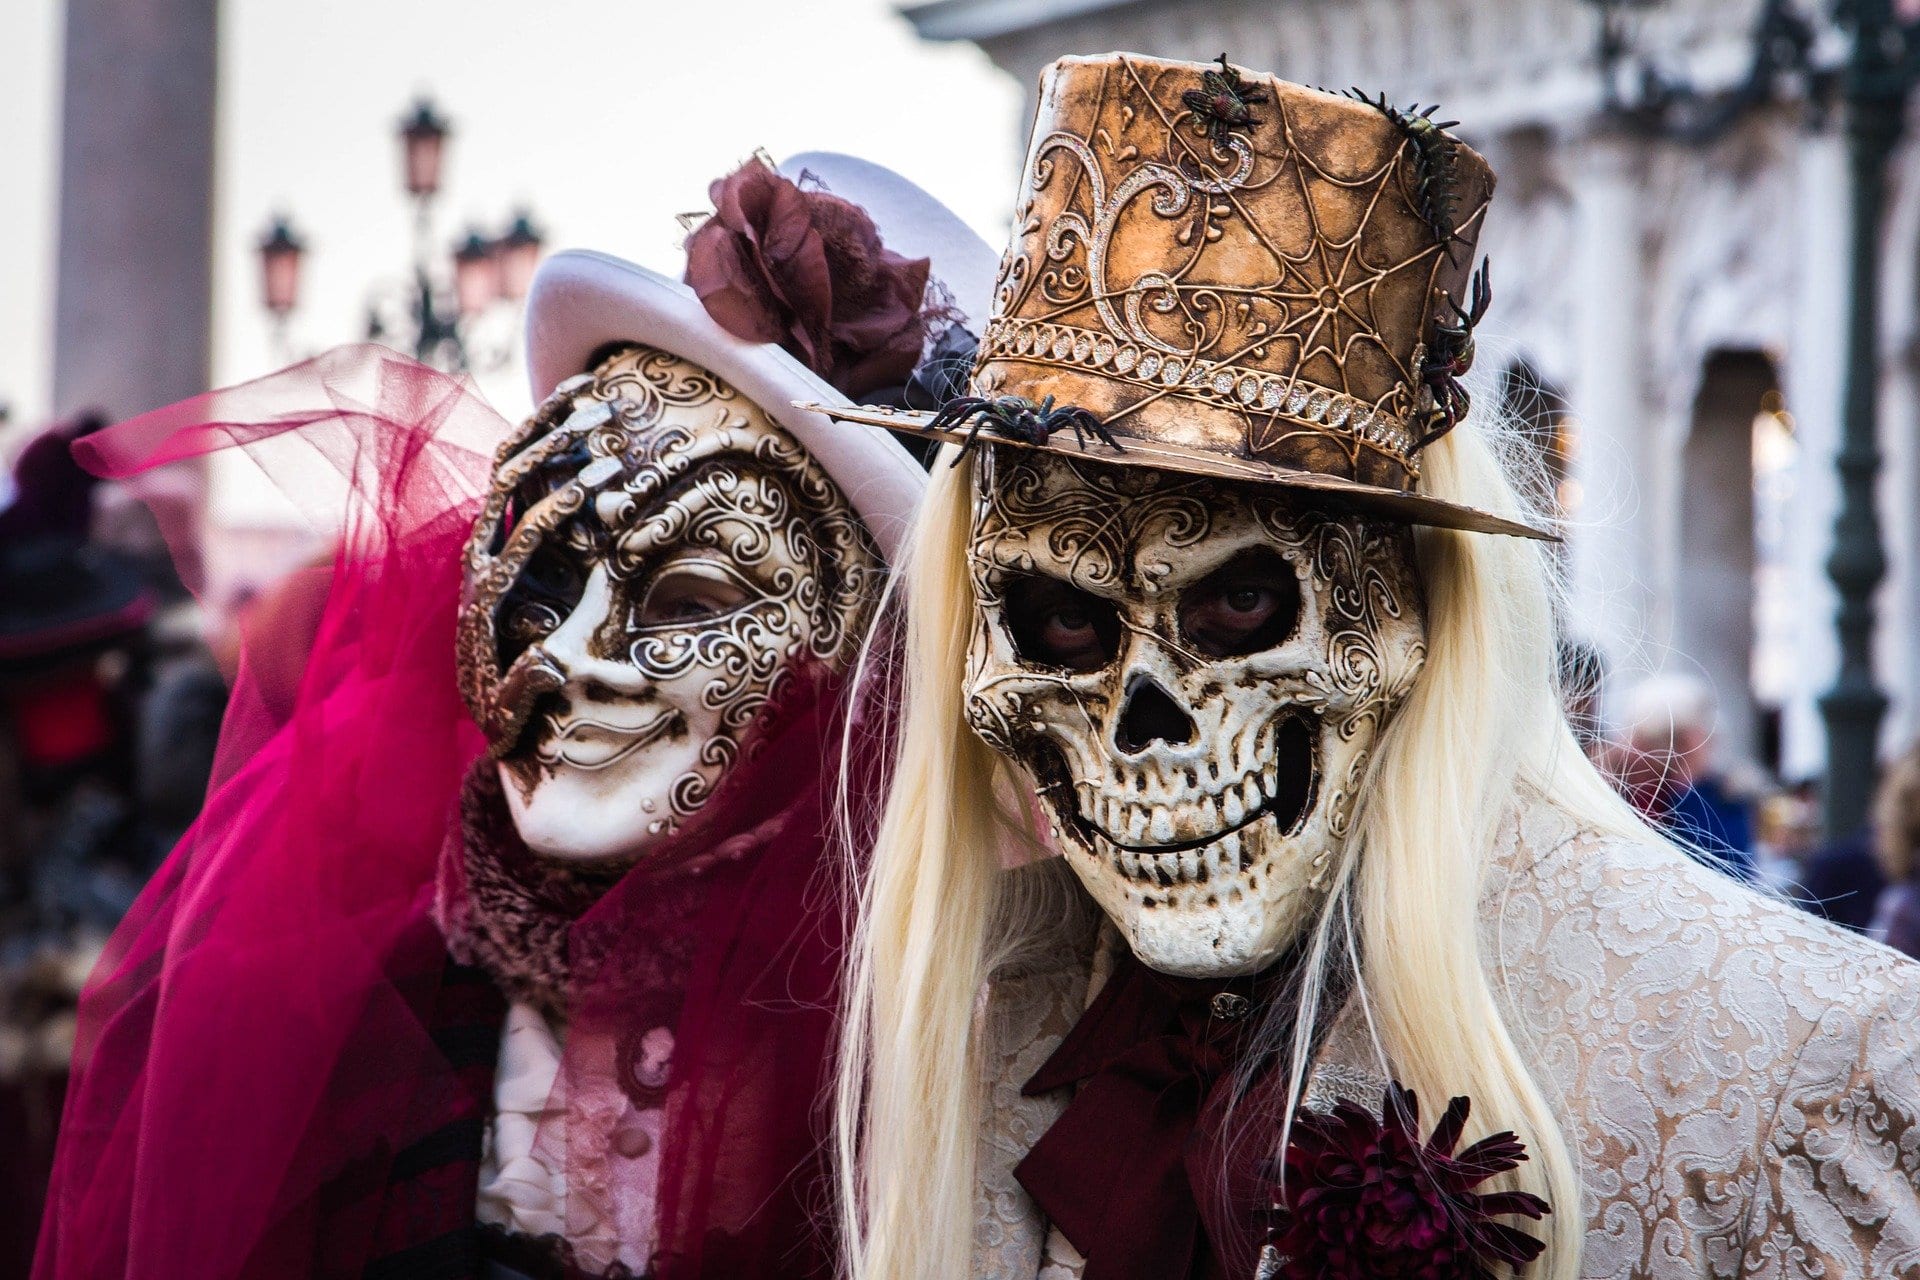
<point>606,117</point>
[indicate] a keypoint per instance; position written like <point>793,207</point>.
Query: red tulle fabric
<point>253,1048</point>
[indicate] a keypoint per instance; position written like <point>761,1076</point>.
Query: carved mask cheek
<point>1193,674</point>
<point>659,567</point>
<point>688,641</point>
<point>593,776</point>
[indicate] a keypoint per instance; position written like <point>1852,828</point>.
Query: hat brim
<point>1414,508</point>
<point>582,302</point>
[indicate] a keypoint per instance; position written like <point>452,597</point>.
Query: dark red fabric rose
<point>806,269</point>
<point>1364,1199</point>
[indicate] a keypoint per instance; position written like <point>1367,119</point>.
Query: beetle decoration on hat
<point>1236,593</point>
<point>554,998</point>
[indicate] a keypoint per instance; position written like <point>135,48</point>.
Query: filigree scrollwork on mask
<point>1204,793</point>
<point>657,558</point>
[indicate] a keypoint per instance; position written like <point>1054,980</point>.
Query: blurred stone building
<point>1668,317</point>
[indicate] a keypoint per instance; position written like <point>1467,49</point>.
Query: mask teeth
<point>1127,821</point>
<point>1220,860</point>
<point>1191,863</point>
<point>1230,855</point>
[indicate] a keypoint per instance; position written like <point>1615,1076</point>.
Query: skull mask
<point>1193,673</point>
<point>658,570</point>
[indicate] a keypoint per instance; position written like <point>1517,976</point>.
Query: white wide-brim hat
<point>582,301</point>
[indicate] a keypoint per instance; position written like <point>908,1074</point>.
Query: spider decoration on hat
<point>1223,103</point>
<point>1435,151</point>
<point>1020,419</point>
<point>1450,355</point>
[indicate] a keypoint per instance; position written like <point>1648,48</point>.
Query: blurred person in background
<point>1786,834</point>
<point>1896,840</point>
<point>1842,881</point>
<point>75,657</point>
<point>1670,772</point>
<point>75,843</point>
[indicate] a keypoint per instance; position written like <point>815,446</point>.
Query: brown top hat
<point>1226,274</point>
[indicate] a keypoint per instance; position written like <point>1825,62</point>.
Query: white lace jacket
<point>1741,1081</point>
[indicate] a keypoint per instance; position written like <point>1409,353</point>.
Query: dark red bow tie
<point>1131,1172</point>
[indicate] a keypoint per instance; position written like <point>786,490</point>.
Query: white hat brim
<point>582,301</point>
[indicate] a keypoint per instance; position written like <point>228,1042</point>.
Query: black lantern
<point>423,135</point>
<point>476,274</point>
<point>280,253</point>
<point>519,252</point>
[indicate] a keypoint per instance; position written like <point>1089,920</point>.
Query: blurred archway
<point>1727,614</point>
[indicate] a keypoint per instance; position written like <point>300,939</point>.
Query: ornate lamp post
<point>1881,71</point>
<point>430,315</point>
<point>1877,78</point>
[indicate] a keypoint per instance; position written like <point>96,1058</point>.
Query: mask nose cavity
<point>1151,715</point>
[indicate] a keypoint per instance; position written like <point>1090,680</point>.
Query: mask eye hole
<point>689,592</point>
<point>1055,624</point>
<point>548,589</point>
<point>1249,604</point>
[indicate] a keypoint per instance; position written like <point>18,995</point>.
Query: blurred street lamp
<point>1651,97</point>
<point>280,254</point>
<point>476,274</point>
<point>423,137</point>
<point>432,314</point>
<point>520,254</point>
<point>1875,78</point>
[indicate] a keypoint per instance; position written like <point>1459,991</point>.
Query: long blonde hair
<point>1399,931</point>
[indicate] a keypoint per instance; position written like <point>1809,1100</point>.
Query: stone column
<point>1609,562</point>
<point>134,283</point>
<point>1813,361</point>
<point>1897,644</point>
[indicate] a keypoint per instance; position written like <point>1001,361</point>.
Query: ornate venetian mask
<point>658,570</point>
<point>1193,673</point>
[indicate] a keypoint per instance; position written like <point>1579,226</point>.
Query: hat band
<point>1212,382</point>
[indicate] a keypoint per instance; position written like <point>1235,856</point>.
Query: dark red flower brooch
<point>789,263</point>
<point>1363,1198</point>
